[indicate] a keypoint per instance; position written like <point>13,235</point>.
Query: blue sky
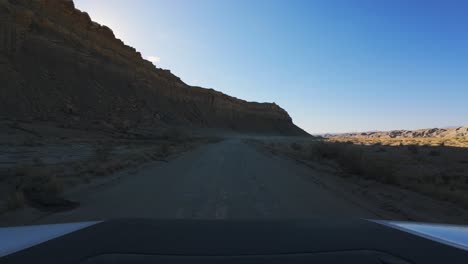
<point>334,65</point>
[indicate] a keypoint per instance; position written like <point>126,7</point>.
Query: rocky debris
<point>420,133</point>
<point>56,64</point>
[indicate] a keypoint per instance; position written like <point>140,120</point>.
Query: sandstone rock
<point>420,133</point>
<point>104,79</point>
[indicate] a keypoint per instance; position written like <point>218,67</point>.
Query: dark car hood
<point>235,241</point>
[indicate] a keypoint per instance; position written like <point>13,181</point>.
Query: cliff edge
<point>56,64</point>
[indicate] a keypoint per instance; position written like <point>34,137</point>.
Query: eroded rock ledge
<point>57,64</point>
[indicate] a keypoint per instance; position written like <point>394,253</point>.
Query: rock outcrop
<point>56,64</point>
<point>419,133</point>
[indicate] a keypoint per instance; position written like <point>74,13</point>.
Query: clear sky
<point>334,65</point>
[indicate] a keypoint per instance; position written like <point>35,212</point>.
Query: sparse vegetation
<point>102,151</point>
<point>165,149</point>
<point>15,200</point>
<point>30,142</point>
<point>296,146</point>
<point>413,149</point>
<point>421,141</point>
<point>36,184</point>
<point>42,184</point>
<point>418,167</point>
<point>175,134</point>
<point>36,178</point>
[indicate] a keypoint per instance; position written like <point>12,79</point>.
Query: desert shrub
<point>327,150</point>
<point>78,166</point>
<point>41,183</point>
<point>381,149</point>
<point>317,151</point>
<point>445,178</point>
<point>15,200</point>
<point>380,170</point>
<point>175,134</point>
<point>106,168</point>
<point>296,146</point>
<point>30,142</point>
<point>24,170</point>
<point>99,170</point>
<point>38,161</point>
<point>413,149</point>
<point>390,178</point>
<point>429,179</point>
<point>350,158</point>
<point>165,149</point>
<point>86,179</point>
<point>355,160</point>
<point>35,184</point>
<point>102,152</point>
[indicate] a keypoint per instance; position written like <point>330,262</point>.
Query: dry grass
<point>430,141</point>
<point>354,160</point>
<point>102,151</point>
<point>165,149</point>
<point>37,179</point>
<point>15,200</point>
<point>34,184</point>
<point>42,185</point>
<point>31,142</point>
<point>437,171</point>
<point>175,134</point>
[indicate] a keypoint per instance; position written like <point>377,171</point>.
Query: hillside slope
<point>419,133</point>
<point>56,64</point>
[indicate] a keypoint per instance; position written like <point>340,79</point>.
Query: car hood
<point>453,235</point>
<point>262,241</point>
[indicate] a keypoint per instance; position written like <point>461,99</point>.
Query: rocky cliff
<point>56,64</point>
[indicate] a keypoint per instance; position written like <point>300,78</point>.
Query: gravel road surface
<point>229,179</point>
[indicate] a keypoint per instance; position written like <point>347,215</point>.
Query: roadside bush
<point>107,168</point>
<point>324,150</point>
<point>15,200</point>
<point>38,161</point>
<point>41,183</point>
<point>381,149</point>
<point>413,149</point>
<point>165,149</point>
<point>37,179</point>
<point>102,152</point>
<point>351,159</point>
<point>445,178</point>
<point>354,160</point>
<point>31,142</point>
<point>296,146</point>
<point>175,134</point>
<point>380,170</point>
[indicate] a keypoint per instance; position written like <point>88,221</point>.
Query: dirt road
<point>229,179</point>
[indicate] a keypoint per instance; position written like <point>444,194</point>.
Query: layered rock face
<point>56,64</point>
<point>419,133</point>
